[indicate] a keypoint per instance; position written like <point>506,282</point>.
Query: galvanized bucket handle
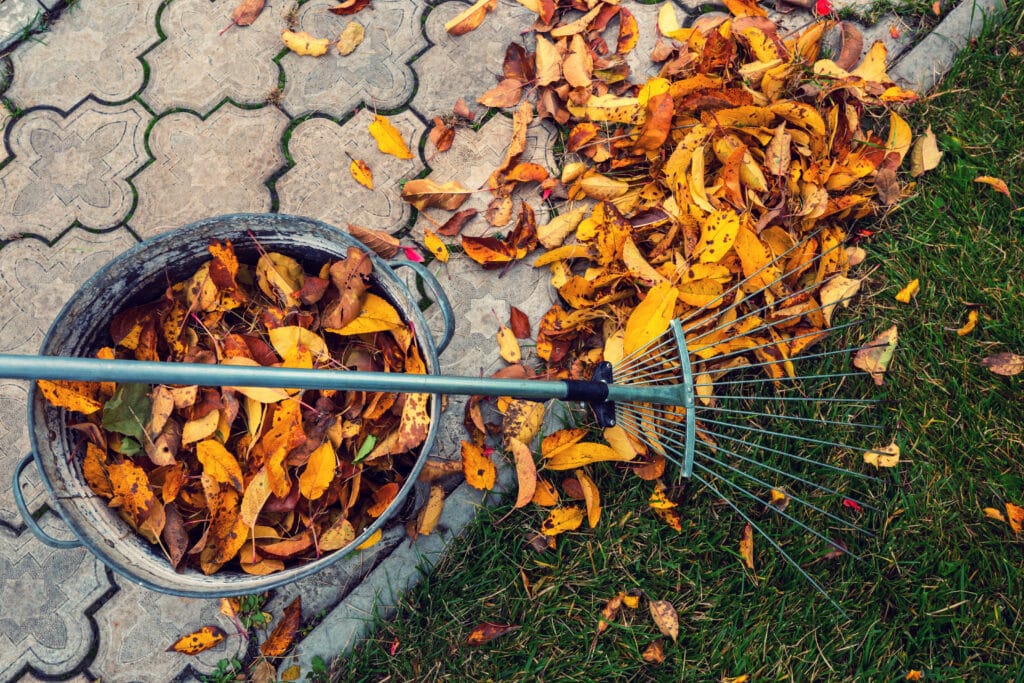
<point>26,514</point>
<point>440,298</point>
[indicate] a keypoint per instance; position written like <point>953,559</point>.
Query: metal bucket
<point>139,275</point>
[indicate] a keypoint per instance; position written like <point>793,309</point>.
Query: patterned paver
<point>72,169</point>
<point>92,51</point>
<point>321,186</point>
<point>206,167</point>
<point>376,73</point>
<point>128,118</point>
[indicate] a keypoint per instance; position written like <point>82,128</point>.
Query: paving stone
<point>196,67</point>
<point>473,157</point>
<point>468,65</point>
<point>45,593</point>
<point>894,46</point>
<point>35,281</point>
<point>15,17</point>
<point>138,625</point>
<point>321,186</point>
<point>639,59</point>
<point>72,168</point>
<point>377,73</point>
<point>923,67</point>
<point>207,167</point>
<point>89,50</point>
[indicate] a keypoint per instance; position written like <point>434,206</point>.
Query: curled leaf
<point>301,43</point>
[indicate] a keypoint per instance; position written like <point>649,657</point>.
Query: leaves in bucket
<point>255,479</point>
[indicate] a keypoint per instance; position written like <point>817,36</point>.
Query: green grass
<point>940,589</point>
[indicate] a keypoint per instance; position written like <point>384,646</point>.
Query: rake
<point>737,437</point>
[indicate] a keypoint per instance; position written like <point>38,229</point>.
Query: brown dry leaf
<point>506,93</point>
<point>837,292</point>
<point>430,514</point>
<point>246,12</point>
<point>526,471</point>
<point>434,469</point>
<point>874,358</point>
<point>885,456</point>
<point>519,323</point>
<point>654,653</point>
<point>925,154</point>
<point>379,241</point>
<point>301,43</point>
<point>425,193</point>
<point>469,18</point>
<point>563,519</point>
<point>280,639</point>
<point>347,7</point>
<point>609,612</point>
<point>665,618</point>
<point>548,62</point>
<point>389,139</point>
<point>477,466</point>
<point>968,327</point>
<point>747,547</point>
<point>351,36</point>
<point>852,45</point>
<point>339,535</point>
<point>199,641</point>
<point>591,497</point>
<point>1006,364</point>
<point>909,292</point>
<point>486,632</point>
<point>262,672</point>
<point>361,173</point>
<point>997,184</point>
<point>508,346</point>
<point>453,226</point>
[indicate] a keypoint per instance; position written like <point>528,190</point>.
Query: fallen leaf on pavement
<point>301,43</point>
<point>361,173</point>
<point>389,139</point>
<point>470,18</point>
<point>281,638</point>
<point>199,641</point>
<point>351,36</point>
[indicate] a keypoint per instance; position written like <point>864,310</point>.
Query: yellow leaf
<point>907,293</point>
<point>508,345</point>
<point>339,535</point>
<point>665,618</point>
<point>637,265</point>
<point>925,155</point>
<point>389,140</point>
<point>424,193</point>
<point>592,497</point>
<point>620,442</point>
<point>736,679</point>
<point>279,276</point>
<point>256,495</point>
<point>288,339</point>
<point>431,512</point>
<point>756,260</point>
<point>659,498</point>
<point>526,471</point>
<point>260,394</point>
<point>319,472</point>
<point>747,546</point>
<point>200,428</point>
<point>993,513</point>
<point>580,454</point>
<point>77,396</point>
<point>651,318</point>
<point>874,358</point>
<point>199,641</point>
<point>554,232</point>
<point>376,315</point>
<point>972,321</point>
<point>560,440</point>
<point>219,463</point>
<point>546,495</point>
<point>717,235</point>
<point>900,134</point>
<point>886,456</point>
<point>597,186</point>
<point>373,540</point>
<point>350,38</point>
<point>522,419</point>
<point>302,43</point>
<point>435,246</point>
<point>361,173</point>
<point>469,18</point>
<point>997,184</point>
<point>1015,516</point>
<point>478,467</point>
<point>607,108</point>
<point>561,520</point>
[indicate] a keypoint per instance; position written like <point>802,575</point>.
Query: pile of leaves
<point>259,478</point>
<point>722,192</point>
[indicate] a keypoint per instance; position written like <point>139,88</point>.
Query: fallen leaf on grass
<point>886,456</point>
<point>915,674</point>
<point>925,154</point>
<point>968,327</point>
<point>477,466</point>
<point>654,653</point>
<point>665,618</point>
<point>389,139</point>
<point>361,173</point>
<point>1015,517</point>
<point>874,358</point>
<point>997,184</point>
<point>301,43</point>
<point>199,641</point>
<point>1006,364</point>
<point>486,632</point>
<point>350,38</point>
<point>609,612</point>
<point>281,638</point>
<point>747,547</point>
<point>746,677</point>
<point>561,520</point>
<point>909,292</point>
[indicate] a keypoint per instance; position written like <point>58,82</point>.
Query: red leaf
<point>413,255</point>
<point>349,7</point>
<point>852,504</point>
<point>453,226</point>
<point>823,7</point>
<point>519,323</point>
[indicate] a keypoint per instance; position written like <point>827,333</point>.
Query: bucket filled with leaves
<point>217,490</point>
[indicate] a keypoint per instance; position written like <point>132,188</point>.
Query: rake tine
<point>806,356</point>
<point>780,379</point>
<point>736,397</point>
<point>794,418</point>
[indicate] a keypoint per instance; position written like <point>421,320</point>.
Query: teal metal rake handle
<point>146,372</point>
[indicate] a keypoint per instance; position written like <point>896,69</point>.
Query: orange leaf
<point>527,172</point>
<point>545,495</point>
<point>319,472</point>
<point>654,653</point>
<point>526,471</point>
<point>747,546</point>
<point>247,11</point>
<point>592,497</point>
<point>997,184</point>
<point>389,139</point>
<point>199,641</point>
<point>430,514</point>
<point>1015,517</point>
<point>968,327</point>
<point>361,173</point>
<point>283,634</point>
<point>506,93</point>
<point>219,463</point>
<point>479,469</point>
<point>382,498</point>
<point>470,18</point>
<point>132,494</point>
<point>486,632</point>
<point>425,193</point>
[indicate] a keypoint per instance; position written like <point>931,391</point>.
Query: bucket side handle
<point>26,515</point>
<point>440,298</point>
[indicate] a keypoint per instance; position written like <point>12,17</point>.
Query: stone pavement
<point>123,119</point>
